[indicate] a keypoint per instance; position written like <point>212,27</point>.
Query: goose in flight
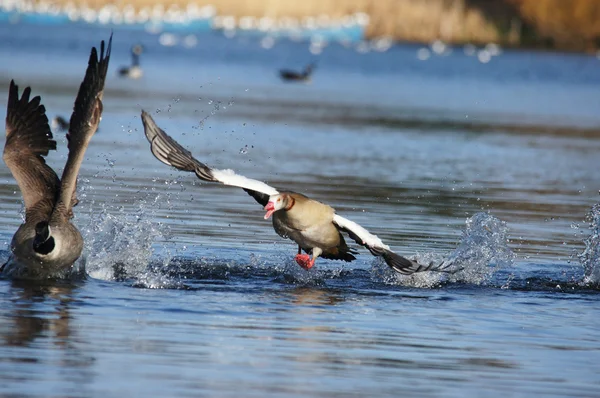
<point>314,226</point>
<point>293,76</point>
<point>135,70</point>
<point>47,244</point>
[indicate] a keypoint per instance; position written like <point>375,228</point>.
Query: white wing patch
<point>228,177</point>
<point>368,238</point>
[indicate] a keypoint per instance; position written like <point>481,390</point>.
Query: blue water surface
<point>191,293</point>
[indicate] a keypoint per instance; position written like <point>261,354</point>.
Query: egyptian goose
<point>291,76</point>
<point>47,244</point>
<point>135,70</point>
<point>314,226</point>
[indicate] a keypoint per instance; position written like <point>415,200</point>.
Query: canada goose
<point>47,244</point>
<point>135,70</point>
<point>314,226</point>
<point>304,76</point>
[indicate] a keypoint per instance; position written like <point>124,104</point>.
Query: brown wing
<point>85,119</point>
<point>28,140</point>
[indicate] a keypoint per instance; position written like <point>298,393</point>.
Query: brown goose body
<point>47,244</point>
<point>314,226</point>
<point>309,223</point>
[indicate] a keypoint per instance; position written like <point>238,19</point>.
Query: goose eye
<point>279,199</point>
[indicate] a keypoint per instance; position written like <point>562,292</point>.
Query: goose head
<point>43,241</point>
<point>278,202</point>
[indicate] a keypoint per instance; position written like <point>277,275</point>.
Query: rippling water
<point>191,293</point>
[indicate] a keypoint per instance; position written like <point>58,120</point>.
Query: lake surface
<point>191,293</point>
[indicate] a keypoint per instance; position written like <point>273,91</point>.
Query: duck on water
<point>313,225</point>
<point>134,71</point>
<point>294,76</point>
<point>47,244</point>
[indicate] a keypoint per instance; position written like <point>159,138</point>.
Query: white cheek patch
<point>55,253</point>
<point>57,247</point>
<point>228,177</point>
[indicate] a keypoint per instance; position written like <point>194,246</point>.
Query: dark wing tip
<point>405,266</point>
<point>170,152</point>
<point>90,90</point>
<point>105,56</point>
<point>401,264</point>
<point>261,198</point>
<point>13,95</point>
<point>27,125</point>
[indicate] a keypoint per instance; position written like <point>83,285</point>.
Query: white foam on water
<point>482,250</point>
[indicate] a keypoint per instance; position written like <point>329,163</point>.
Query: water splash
<point>119,246</point>
<point>289,272</point>
<point>482,250</point>
<point>590,258</point>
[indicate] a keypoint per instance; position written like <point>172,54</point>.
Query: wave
<point>481,252</point>
<point>129,246</point>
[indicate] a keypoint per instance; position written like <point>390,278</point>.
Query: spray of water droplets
<point>119,246</point>
<point>590,258</point>
<point>482,250</point>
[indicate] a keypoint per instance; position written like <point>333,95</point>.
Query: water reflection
<point>309,299</point>
<point>39,311</point>
<point>35,322</point>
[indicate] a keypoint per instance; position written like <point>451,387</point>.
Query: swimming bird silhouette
<point>314,226</point>
<point>304,76</point>
<point>47,244</point>
<point>60,123</point>
<point>134,71</point>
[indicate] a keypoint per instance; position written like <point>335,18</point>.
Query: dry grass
<point>566,24</point>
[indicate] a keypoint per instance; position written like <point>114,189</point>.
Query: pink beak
<point>270,208</point>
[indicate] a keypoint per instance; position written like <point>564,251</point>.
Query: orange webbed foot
<point>304,261</point>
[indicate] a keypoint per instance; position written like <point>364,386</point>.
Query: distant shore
<point>512,23</point>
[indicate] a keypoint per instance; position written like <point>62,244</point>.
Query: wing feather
<point>28,140</point>
<point>170,152</point>
<point>90,93</point>
<point>87,112</point>
<point>377,248</point>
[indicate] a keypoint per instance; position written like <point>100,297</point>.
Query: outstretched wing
<point>28,140</point>
<point>87,112</point>
<point>168,151</point>
<point>398,263</point>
